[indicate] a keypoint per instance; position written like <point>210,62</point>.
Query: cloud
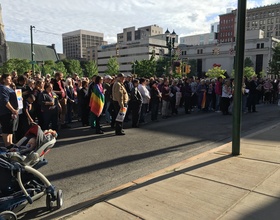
<point>52,18</point>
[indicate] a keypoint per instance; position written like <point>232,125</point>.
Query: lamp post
<point>32,49</point>
<point>170,41</point>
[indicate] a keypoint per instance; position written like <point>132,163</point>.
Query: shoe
<point>135,126</point>
<point>255,111</point>
<point>120,133</point>
<point>99,132</point>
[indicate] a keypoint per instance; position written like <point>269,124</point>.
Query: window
<point>258,46</point>
<point>262,45</point>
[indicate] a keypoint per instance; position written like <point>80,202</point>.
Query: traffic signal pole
<point>238,79</point>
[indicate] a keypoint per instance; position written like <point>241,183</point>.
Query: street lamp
<point>32,49</point>
<point>170,41</point>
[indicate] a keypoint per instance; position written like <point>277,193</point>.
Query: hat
<point>108,77</point>
<point>120,75</point>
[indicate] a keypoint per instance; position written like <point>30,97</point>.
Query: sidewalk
<point>212,185</point>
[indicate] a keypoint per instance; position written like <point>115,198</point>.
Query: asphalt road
<point>85,165</point>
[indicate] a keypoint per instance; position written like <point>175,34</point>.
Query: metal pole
<point>32,49</point>
<point>238,80</point>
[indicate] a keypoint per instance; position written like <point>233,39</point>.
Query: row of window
<point>200,51</point>
<point>265,14</point>
<point>227,21</point>
<point>226,34</point>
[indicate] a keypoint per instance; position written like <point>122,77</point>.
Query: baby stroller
<point>21,183</point>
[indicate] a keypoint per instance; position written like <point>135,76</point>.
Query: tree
<point>161,64</point>
<point>248,62</point>
<point>113,66</point>
<point>248,72</point>
<point>49,67</point>
<point>18,65</point>
<point>72,66</point>
<point>146,68</point>
<point>91,69</point>
<point>59,67</point>
<point>274,63</point>
<point>216,72</point>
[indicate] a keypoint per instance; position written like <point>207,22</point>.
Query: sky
<point>52,18</point>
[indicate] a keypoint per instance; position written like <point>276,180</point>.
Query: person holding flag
<point>96,104</point>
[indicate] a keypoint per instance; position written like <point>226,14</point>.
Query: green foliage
<point>248,72</point>
<point>274,63</point>
<point>90,69</point>
<point>216,72</point>
<point>18,65</point>
<point>48,68</point>
<point>72,66</point>
<point>113,66</point>
<point>248,62</point>
<point>59,67</point>
<point>146,68</point>
<point>161,66</point>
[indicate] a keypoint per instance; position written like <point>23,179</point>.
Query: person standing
<point>155,100</point>
<point>96,103</point>
<point>146,99</point>
<point>165,93</point>
<point>253,95</point>
<point>8,109</point>
<point>107,93</point>
<point>226,96</point>
<point>120,100</point>
<point>59,89</point>
<point>135,103</point>
<point>187,94</point>
<point>50,107</point>
<point>83,103</point>
<point>218,92</point>
<point>70,99</point>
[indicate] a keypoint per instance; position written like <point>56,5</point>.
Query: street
<point>85,165</point>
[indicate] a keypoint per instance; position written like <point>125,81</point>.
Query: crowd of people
<point>53,102</point>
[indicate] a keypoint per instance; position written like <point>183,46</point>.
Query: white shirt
<point>145,93</point>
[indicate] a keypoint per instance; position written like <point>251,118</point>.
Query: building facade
<point>128,51</point>
<point>257,47</point>
<point>130,34</point>
<point>199,39</point>
<point>265,18</point>
<point>227,27</point>
<point>75,43</point>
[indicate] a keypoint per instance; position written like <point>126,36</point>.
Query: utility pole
<point>32,49</point>
<point>238,79</point>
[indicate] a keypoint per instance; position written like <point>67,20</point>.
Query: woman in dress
<point>8,109</point>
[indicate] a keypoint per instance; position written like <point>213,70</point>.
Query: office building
<point>75,43</point>
<point>134,45</point>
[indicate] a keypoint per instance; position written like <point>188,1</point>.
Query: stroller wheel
<point>8,215</point>
<point>59,199</point>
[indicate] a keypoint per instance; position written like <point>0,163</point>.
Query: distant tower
<point>3,45</point>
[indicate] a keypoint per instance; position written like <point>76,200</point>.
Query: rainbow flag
<point>97,100</point>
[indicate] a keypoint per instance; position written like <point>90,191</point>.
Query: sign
<point>19,98</point>
<point>121,114</point>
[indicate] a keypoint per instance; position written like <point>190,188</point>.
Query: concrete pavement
<point>212,185</point>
